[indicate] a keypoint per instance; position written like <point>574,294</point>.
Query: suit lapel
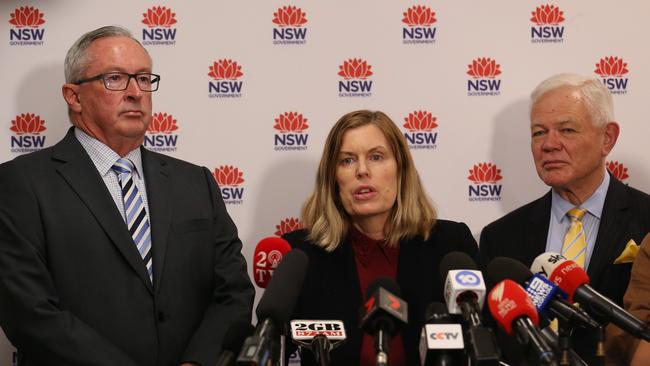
<point>613,225</point>
<point>159,195</point>
<point>537,231</point>
<point>82,176</point>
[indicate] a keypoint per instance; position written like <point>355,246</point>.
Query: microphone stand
<point>564,342</point>
<point>321,346</point>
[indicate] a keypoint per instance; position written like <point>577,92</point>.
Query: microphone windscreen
<point>387,283</point>
<point>507,302</point>
<point>456,260</point>
<point>504,268</point>
<point>282,292</point>
<point>268,255</point>
<point>234,338</point>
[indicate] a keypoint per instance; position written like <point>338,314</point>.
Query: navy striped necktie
<point>136,215</point>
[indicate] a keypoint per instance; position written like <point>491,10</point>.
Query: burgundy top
<point>374,260</point>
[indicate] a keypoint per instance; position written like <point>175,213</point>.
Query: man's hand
<point>641,355</point>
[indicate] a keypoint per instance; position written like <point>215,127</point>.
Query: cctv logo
<point>443,336</point>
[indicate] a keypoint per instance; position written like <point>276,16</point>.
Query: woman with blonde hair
<point>369,217</point>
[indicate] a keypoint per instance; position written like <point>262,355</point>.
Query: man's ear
<point>71,95</point>
<point>611,131</point>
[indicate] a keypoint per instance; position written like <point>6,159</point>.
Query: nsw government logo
<point>27,128</point>
<point>611,71</point>
<point>420,135</point>
<point>289,21</point>
<point>419,20</point>
<point>226,84</point>
<point>27,31</point>
<point>484,178</point>
<point>290,132</point>
<point>159,31</point>
<point>287,225</point>
<point>618,170</point>
<point>229,179</point>
<point>160,135</point>
<point>547,28</point>
<point>355,83</point>
<point>483,81</point>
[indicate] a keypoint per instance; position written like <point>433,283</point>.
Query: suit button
<point>161,317</point>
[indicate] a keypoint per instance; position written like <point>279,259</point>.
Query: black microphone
<point>274,310</point>
<point>441,340</point>
<point>382,315</point>
<point>516,314</point>
<point>464,294</point>
<point>543,293</point>
<point>319,336</point>
<point>233,341</point>
<point>571,278</point>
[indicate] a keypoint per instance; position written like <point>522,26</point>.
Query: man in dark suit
<point>111,254</point>
<point>573,131</point>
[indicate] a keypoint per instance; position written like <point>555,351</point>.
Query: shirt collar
<point>594,204</point>
<point>103,156</point>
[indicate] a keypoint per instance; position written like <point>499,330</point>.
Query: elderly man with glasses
<point>111,254</point>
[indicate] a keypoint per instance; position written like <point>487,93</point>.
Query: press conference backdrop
<point>250,89</point>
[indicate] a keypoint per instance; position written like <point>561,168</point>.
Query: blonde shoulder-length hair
<point>323,215</point>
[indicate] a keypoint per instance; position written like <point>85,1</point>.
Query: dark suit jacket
<point>331,289</point>
<point>621,345</point>
<point>73,288</point>
<point>522,235</point>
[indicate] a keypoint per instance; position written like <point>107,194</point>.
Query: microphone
<point>573,280</point>
<point>515,312</point>
<point>547,297</point>
<point>464,294</point>
<point>268,254</point>
<point>320,336</point>
<point>233,341</point>
<point>382,314</point>
<point>274,309</point>
<point>441,340</point>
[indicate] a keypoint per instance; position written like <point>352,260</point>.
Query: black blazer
<point>73,288</point>
<point>331,289</point>
<point>522,235</point>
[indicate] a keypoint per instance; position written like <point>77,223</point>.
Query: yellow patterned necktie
<point>575,244</point>
<point>575,240</point>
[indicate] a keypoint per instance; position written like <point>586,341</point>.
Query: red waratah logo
<point>618,170</point>
<point>485,173</point>
<point>355,68</point>
<point>288,225</point>
<point>289,16</point>
<point>419,16</point>
<point>162,123</point>
<point>27,16</point>
<point>225,70</point>
<point>291,122</point>
<point>547,15</point>
<point>228,176</point>
<point>28,123</point>
<point>484,67</point>
<point>611,66</point>
<point>159,16</point>
<point>420,121</point>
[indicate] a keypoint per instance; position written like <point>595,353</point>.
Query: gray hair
<point>76,60</point>
<point>595,94</point>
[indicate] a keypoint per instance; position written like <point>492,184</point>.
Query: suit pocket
<point>188,226</point>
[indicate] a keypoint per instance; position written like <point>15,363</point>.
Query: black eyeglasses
<point>119,81</point>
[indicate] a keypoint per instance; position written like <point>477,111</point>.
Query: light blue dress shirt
<point>559,222</point>
<point>104,157</point>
